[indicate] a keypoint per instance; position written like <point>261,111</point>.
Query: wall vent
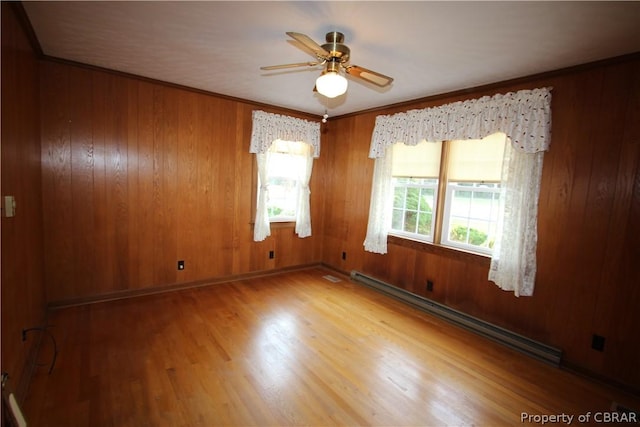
<point>501,335</point>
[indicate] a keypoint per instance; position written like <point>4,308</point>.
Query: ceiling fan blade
<point>309,43</point>
<point>368,75</point>
<point>297,64</point>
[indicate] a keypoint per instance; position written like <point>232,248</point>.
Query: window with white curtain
<point>286,169</point>
<point>525,118</point>
<point>285,148</point>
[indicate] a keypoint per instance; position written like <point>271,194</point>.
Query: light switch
<point>9,206</point>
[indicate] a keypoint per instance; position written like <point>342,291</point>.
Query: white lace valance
<point>268,127</point>
<point>525,116</point>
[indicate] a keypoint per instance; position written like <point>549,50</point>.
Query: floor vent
<point>331,278</point>
<point>518,342</point>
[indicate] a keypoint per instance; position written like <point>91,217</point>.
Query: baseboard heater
<point>504,336</point>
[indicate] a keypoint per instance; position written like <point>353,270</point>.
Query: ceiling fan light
<point>331,84</point>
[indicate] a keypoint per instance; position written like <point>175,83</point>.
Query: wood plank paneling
<point>616,298</point>
<point>81,166</point>
<point>56,158</point>
<point>22,277</point>
<point>187,183</point>
<point>138,175</point>
<point>588,229</point>
<point>141,185</point>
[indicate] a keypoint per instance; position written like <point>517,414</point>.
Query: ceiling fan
<point>334,55</point>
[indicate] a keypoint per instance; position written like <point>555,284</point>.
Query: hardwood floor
<point>291,349</point>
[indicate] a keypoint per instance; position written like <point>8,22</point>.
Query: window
<point>285,148</point>
<point>466,175</point>
<point>284,171</point>
<point>525,116</point>
<point>282,180</point>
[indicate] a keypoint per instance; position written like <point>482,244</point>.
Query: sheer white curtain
<point>379,222</point>
<point>303,207</point>
<point>267,129</point>
<point>261,228</point>
<point>525,117</point>
<point>513,263</point>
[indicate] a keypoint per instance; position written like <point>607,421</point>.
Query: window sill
<point>282,224</point>
<point>277,224</point>
<point>459,254</point>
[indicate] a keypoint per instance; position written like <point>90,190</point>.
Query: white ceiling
<point>427,47</point>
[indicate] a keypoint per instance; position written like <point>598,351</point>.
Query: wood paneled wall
<point>138,175</point>
<point>23,298</point>
<point>588,279</point>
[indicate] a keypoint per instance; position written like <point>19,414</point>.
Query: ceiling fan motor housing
<point>339,52</point>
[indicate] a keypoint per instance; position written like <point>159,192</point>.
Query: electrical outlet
<point>597,342</point>
<point>181,265</point>
<point>429,285</point>
<point>272,255</point>
<point>9,208</point>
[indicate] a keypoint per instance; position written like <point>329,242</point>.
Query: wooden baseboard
<point>134,293</point>
<point>593,376</point>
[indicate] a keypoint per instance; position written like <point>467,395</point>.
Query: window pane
<point>283,170</point>
<point>471,215</point>
<point>396,220</point>
<point>413,204</point>
<point>413,195</point>
<point>398,197</point>
<point>424,223</point>
<point>282,197</point>
<point>426,199</point>
<point>410,220</point>
<point>475,234</point>
<point>460,203</point>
